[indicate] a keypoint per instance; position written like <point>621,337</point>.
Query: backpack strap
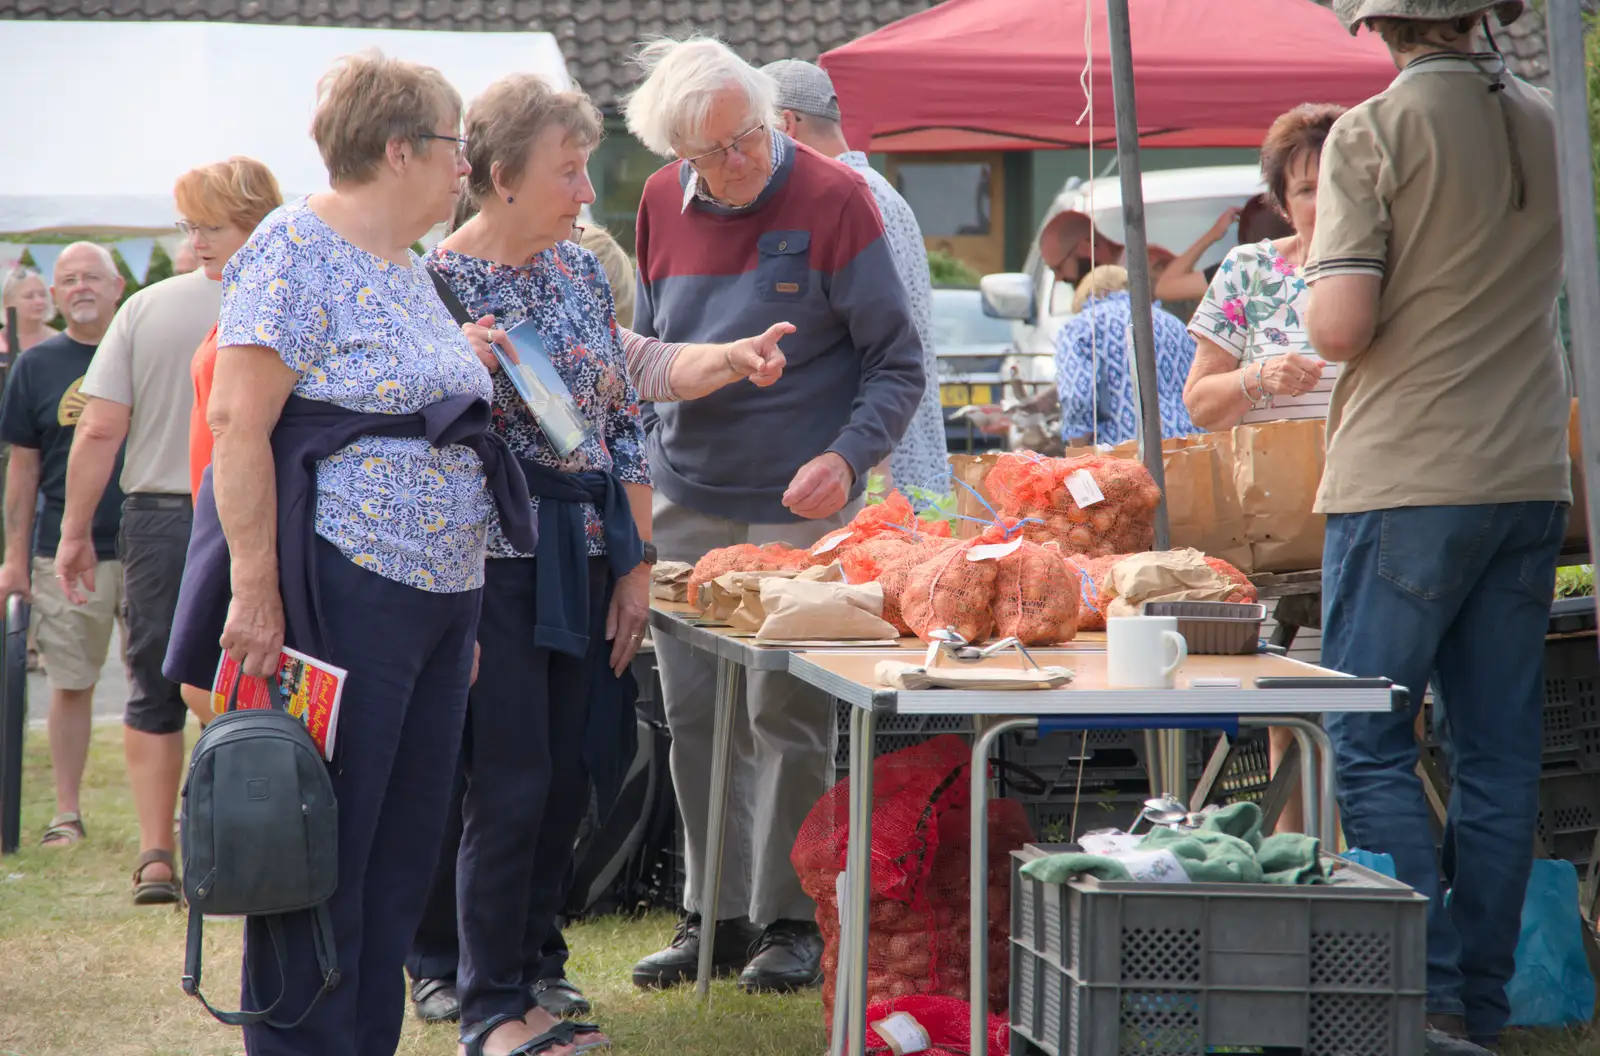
<point>452,303</point>
<point>327,963</point>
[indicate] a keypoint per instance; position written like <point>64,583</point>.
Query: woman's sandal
<point>562,1034</point>
<point>155,892</point>
<point>64,831</point>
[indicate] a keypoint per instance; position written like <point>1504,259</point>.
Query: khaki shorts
<point>75,639</point>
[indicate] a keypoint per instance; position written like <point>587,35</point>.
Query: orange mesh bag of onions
<point>891,518</point>
<point>1247,589</point>
<point>1119,520</point>
<point>741,558</point>
<point>745,557</point>
<point>952,589</point>
<point>918,938</point>
<point>895,571</point>
<point>1090,576</point>
<point>1035,596</point>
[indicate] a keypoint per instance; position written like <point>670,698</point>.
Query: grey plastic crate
<point>1102,969</point>
<point>1215,627</point>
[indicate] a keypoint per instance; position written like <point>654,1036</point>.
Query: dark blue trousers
<point>1460,596</point>
<point>409,654</point>
<point>527,788</point>
<point>436,954</point>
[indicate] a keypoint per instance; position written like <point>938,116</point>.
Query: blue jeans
<point>1459,595</point>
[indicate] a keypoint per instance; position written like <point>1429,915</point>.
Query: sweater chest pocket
<point>783,270</point>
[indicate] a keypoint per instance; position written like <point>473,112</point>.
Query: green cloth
<point>1227,848</point>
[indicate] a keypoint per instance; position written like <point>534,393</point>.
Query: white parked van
<point>1180,205</point>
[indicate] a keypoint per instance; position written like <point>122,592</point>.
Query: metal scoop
<point>947,643</point>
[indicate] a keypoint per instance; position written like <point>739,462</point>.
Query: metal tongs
<point>1168,813</point>
<point>948,644</point>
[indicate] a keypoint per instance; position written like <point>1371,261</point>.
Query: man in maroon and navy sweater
<point>745,229</point>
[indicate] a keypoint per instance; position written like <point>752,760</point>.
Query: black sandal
<point>565,1033</point>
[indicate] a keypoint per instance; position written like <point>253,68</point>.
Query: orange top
<point>203,367</point>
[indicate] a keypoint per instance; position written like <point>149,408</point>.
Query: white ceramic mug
<point>1143,652</point>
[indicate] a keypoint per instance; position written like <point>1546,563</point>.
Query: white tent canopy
<point>97,142</point>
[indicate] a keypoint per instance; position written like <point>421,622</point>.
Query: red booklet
<point>307,688</point>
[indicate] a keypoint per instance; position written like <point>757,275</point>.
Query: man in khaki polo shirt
<point>1434,273</point>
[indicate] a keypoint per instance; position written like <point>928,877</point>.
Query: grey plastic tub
<point>1217,628</point>
<point>1103,969</point>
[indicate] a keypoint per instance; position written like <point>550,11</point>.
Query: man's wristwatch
<point>649,557</point>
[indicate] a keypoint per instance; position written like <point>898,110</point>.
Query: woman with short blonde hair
<point>341,375</point>
<point>29,293</point>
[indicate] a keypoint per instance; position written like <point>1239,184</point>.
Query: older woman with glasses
<point>342,377</point>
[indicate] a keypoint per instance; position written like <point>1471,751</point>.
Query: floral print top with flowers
<point>1256,309</point>
<point>369,335</point>
<point>565,292</point>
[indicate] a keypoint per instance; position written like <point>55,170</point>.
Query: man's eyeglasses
<point>461,144</point>
<point>744,142</point>
<point>190,230</point>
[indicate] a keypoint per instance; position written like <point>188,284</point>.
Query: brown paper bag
<point>1163,575</point>
<point>669,581</point>
<point>735,598</point>
<point>1202,502</point>
<point>972,470</point>
<point>800,610</point>
<point>1277,467</point>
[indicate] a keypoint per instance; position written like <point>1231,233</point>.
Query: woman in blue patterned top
<point>560,624</point>
<point>330,325</point>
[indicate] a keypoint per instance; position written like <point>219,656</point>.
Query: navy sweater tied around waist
<point>307,432</point>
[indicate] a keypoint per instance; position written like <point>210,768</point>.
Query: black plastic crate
<point>1572,615</point>
<point>894,732</point>
<point>1571,703</point>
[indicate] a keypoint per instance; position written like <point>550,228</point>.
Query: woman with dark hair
<point>1253,362</point>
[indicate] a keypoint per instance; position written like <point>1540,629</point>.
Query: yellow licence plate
<point>962,395</point>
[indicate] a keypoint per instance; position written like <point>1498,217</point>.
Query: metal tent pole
<point>1138,257</point>
<point>1569,82</point>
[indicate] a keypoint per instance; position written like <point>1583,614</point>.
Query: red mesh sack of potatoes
<point>925,949</point>
<point>1121,520</point>
<point>946,1020</point>
<point>951,590</point>
<point>1090,574</point>
<point>1247,589</point>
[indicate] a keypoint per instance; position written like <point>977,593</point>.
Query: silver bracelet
<point>1257,403</point>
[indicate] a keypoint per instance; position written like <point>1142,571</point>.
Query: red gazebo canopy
<point>1004,74</point>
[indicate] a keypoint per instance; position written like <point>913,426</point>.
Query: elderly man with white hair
<point>743,229</point>
<point>38,417</point>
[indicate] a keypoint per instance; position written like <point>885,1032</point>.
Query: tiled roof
<point>596,36</point>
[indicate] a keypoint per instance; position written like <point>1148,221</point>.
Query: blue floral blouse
<point>1093,373</point>
<point>565,292</point>
<point>372,336</point>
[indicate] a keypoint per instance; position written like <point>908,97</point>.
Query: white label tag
<point>1153,867</point>
<point>1108,842</point>
<point>993,551</point>
<point>831,542</point>
<point>903,1034</point>
<point>1085,492</point>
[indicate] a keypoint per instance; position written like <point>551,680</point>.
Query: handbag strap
<point>452,303</point>
<point>327,964</point>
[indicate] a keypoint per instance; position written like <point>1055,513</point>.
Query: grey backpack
<point>260,839</point>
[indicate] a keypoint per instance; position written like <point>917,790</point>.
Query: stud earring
<point>508,199</point>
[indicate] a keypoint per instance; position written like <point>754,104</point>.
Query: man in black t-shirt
<point>38,416</point>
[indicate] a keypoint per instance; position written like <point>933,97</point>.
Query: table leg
<point>863,727</point>
<point>1153,762</point>
<point>846,909</point>
<point>978,879</point>
<point>1316,750</point>
<point>717,818</point>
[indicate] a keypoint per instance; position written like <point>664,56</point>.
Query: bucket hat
<point>1353,13</point>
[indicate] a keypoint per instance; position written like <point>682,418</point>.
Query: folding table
<point>1087,703</point>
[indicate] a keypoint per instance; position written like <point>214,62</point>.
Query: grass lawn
<point>82,970</point>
